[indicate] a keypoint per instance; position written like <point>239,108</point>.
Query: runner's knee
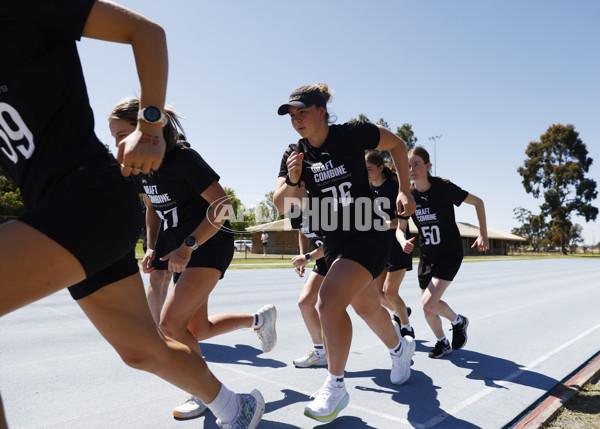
<point>146,357</point>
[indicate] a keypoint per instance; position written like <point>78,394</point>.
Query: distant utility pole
<point>435,139</point>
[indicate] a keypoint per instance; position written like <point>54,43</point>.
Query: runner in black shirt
<point>307,302</point>
<point>330,160</point>
<point>440,245</point>
<point>190,206</point>
<point>385,191</point>
<point>83,217</point>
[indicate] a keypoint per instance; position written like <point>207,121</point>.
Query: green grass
<point>253,261</point>
<point>139,250</point>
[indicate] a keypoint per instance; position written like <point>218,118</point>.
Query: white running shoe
<point>252,408</point>
<point>191,407</point>
<point>328,402</point>
<point>312,358</point>
<point>267,333</point>
<point>401,363</point>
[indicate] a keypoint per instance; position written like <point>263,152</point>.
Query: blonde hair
<point>323,88</point>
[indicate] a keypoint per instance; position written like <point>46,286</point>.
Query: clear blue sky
<point>488,76</point>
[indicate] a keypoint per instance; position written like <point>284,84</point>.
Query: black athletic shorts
<point>94,213</point>
<point>443,268</point>
<point>320,267</point>
<point>159,251</point>
<point>370,249</point>
<point>399,260</point>
<point>216,256</point>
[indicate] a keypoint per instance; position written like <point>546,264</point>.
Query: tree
<point>574,237</point>
<point>242,217</point>
<point>383,123</point>
<point>555,169</point>
<point>533,228</point>
<point>11,203</point>
<point>406,133</point>
<point>362,117</point>
<point>266,211</point>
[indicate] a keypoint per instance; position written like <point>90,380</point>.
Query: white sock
<point>396,350</point>
<point>457,320</point>
<point>225,406</point>
<point>443,339</point>
<point>258,321</point>
<point>407,326</point>
<point>320,349</point>
<point>335,380</point>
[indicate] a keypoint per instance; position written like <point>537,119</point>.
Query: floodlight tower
<point>435,139</point>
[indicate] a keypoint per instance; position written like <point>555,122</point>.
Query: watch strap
<point>289,182</point>
<point>162,119</point>
<point>188,242</point>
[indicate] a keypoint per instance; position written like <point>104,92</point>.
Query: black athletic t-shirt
<point>175,193</point>
<point>385,197</point>
<point>301,223</point>
<point>435,220</point>
<point>336,174</point>
<point>46,123</point>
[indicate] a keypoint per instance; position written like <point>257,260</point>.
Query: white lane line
<point>483,393</point>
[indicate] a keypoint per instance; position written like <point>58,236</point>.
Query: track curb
<point>546,410</point>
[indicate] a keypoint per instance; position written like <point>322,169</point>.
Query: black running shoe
<point>440,349</point>
<point>405,331</point>
<point>397,319</point>
<point>459,333</point>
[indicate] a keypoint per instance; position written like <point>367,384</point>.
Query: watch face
<point>190,242</point>
<point>152,114</point>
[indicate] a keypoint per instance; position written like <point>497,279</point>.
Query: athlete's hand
<point>294,166</point>
<point>405,204</point>
<point>299,264</point>
<point>142,150</point>
<point>178,258</point>
<point>148,260</point>
<point>481,243</point>
<point>408,245</point>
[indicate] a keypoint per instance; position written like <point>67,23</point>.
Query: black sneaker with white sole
<point>440,349</point>
<point>407,332</point>
<point>459,333</point>
<point>397,319</point>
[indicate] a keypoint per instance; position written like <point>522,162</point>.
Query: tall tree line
<point>555,170</point>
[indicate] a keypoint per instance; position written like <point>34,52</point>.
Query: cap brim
<point>284,109</point>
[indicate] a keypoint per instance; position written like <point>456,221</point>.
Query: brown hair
<point>374,157</point>
<point>424,155</point>
<point>127,110</point>
<point>421,153</point>
<point>323,88</point>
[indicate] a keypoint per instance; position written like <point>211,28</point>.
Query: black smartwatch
<point>152,115</point>
<point>191,242</point>
<point>307,257</point>
<point>289,182</point>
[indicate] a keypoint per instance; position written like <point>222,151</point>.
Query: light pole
<point>435,139</point>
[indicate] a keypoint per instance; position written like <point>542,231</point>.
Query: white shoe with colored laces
<point>312,358</point>
<point>267,333</point>
<point>328,402</point>
<point>190,408</point>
